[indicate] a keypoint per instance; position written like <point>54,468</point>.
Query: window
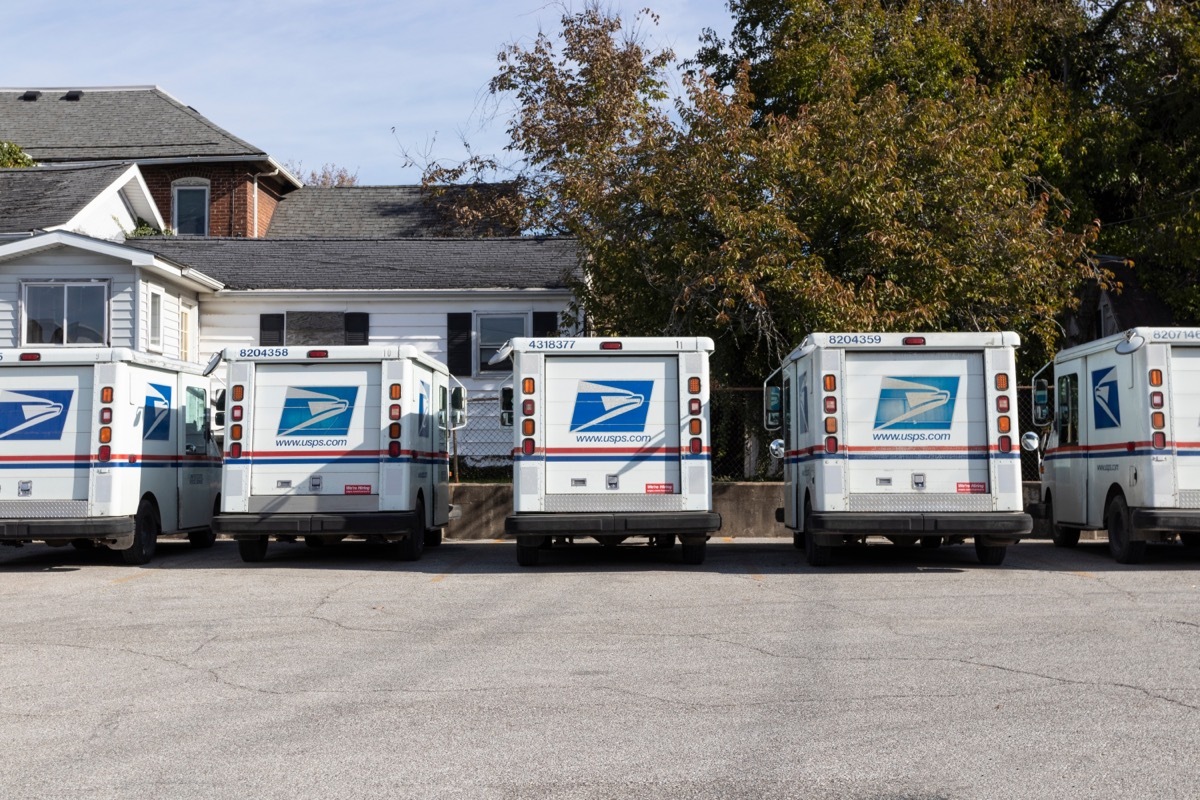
<point>187,335</point>
<point>189,204</point>
<point>472,339</point>
<point>156,320</point>
<point>1068,410</point>
<point>195,420</point>
<point>319,328</point>
<point>493,331</point>
<point>66,313</point>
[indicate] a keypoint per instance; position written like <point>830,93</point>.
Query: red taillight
<point>235,414</point>
<point>695,447</point>
<point>527,408</point>
<point>318,354</point>
<point>104,454</point>
<point>394,449</point>
<point>694,405</point>
<point>1156,399</point>
<point>610,345</point>
<point>831,444</point>
<point>1159,440</point>
<point>1005,444</point>
<point>105,416</point>
<point>1002,404</point>
<point>393,412</point>
<point>30,357</point>
<point>913,340</point>
<point>235,450</point>
<point>527,447</point>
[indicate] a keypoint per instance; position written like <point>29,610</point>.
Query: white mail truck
<point>611,442</point>
<point>1123,450</point>
<point>911,436</point>
<point>105,446</point>
<point>322,443</point>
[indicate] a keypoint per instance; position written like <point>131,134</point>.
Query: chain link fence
<point>482,451</point>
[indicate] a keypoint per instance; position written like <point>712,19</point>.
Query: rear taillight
<point>235,414</point>
<point>527,447</point>
<point>913,341</point>
<point>693,386</point>
<point>239,393</point>
<point>106,416</point>
<point>527,427</point>
<point>394,449</point>
<point>1159,440</point>
<point>527,408</point>
<point>318,354</point>
<point>696,447</point>
<point>831,444</point>
<point>235,450</point>
<point>394,391</point>
<point>104,454</point>
<point>394,430</point>
<point>610,345</point>
<point>394,412</point>
<point>1005,444</point>
<point>30,357</point>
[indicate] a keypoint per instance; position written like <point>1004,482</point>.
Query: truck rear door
<point>316,429</point>
<point>1185,422</point>
<point>916,431</point>
<point>45,432</point>
<point>612,425</point>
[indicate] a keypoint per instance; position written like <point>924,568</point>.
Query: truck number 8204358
<point>262,352</point>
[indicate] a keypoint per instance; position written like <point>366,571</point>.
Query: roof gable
<point>45,198</point>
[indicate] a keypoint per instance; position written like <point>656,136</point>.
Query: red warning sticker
<point>358,488</point>
<point>972,488</point>
<point>660,488</point>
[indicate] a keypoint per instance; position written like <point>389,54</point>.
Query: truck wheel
<point>412,546</point>
<point>931,542</point>
<point>528,555</point>
<point>665,542</point>
<point>1120,534</point>
<point>253,550</point>
<point>817,555</point>
<point>1062,537</point>
<point>145,535</point>
<point>433,537</point>
<point>693,552</point>
<point>202,540</point>
<point>798,540</point>
<point>990,555</point>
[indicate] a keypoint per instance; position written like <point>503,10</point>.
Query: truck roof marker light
<point>527,447</point>
<point>831,444</point>
<point>235,450</point>
<point>693,386</point>
<point>830,383</point>
<point>527,386</point>
<point>913,341</point>
<point>105,435</point>
<point>610,345</point>
<point>695,447</point>
<point>394,430</point>
<point>235,413</point>
<point>1001,381</point>
<point>694,406</point>
<point>1004,424</point>
<point>830,405</point>
<point>527,427</point>
<point>106,416</point>
<point>695,427</point>
<point>393,449</point>
<point>106,394</point>
<point>394,391</point>
<point>239,392</point>
<point>393,412</point>
<point>1002,403</point>
<point>1005,444</point>
<point>1159,440</point>
<point>831,424</point>
<point>318,354</point>
<point>1158,420</point>
<point>30,357</point>
<point>527,407</point>
<point>1156,377</point>
<point>1156,399</point>
<point>235,431</point>
<point>104,453</point>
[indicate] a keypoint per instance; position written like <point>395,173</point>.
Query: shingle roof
<point>112,124</point>
<point>369,212</point>
<point>374,264</point>
<point>36,198</point>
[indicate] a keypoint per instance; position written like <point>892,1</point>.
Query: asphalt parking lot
<point>896,673</point>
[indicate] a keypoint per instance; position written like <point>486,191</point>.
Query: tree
<point>13,156</point>
<point>328,175</point>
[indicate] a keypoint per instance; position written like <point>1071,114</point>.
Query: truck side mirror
<point>776,448</point>
<point>219,400</point>
<point>506,407</point>
<point>772,408</point>
<point>1030,441</point>
<point>456,398</point>
<point>1043,412</point>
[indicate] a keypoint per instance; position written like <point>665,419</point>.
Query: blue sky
<point>353,83</point>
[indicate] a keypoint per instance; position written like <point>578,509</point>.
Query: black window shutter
<point>358,328</point>
<point>270,330</point>
<point>545,323</point>
<point>458,343</point>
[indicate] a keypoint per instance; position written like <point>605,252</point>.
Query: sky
<point>358,84</point>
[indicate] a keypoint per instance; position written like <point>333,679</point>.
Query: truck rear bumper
<point>1166,519</point>
<point>632,524</point>
<point>1009,524</point>
<point>65,530</point>
<point>388,523</point>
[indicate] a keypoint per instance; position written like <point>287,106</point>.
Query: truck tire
<point>817,555</point>
<point>202,540</point>
<point>1062,537</point>
<point>798,540</point>
<point>665,541</point>
<point>145,535</point>
<point>412,546</point>
<point>433,537</point>
<point>253,550</point>
<point>528,555</point>
<point>1120,534</point>
<point>990,555</point>
<point>693,552</point>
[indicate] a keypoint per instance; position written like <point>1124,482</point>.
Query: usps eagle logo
<point>611,406</point>
<point>1106,400</point>
<point>916,403</point>
<point>35,414</point>
<point>156,417</point>
<point>317,410</point>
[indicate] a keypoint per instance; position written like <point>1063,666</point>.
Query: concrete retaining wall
<point>746,509</point>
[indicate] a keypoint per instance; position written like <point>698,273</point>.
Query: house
<point>204,180</point>
<point>105,201</point>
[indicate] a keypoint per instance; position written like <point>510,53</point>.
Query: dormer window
<point>65,313</point>
<point>189,206</point>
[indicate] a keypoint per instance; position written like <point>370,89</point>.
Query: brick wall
<point>231,196</point>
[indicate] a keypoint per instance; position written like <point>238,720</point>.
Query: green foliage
<point>13,156</point>
<point>145,229</point>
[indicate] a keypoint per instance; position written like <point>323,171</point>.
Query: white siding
<point>107,219</point>
<point>170,314</point>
